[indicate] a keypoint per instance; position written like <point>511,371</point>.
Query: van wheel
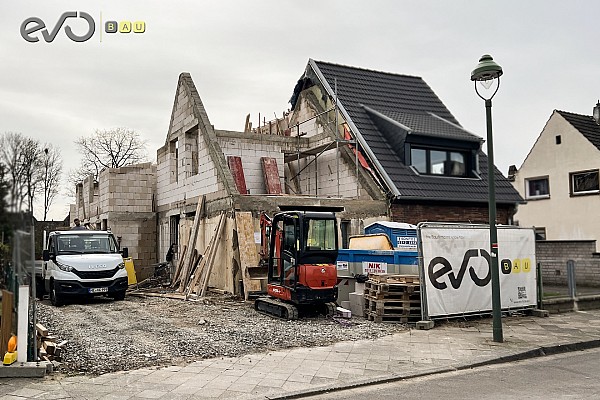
<point>119,296</point>
<point>56,298</point>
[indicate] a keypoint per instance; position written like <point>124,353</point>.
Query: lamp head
<point>486,70</point>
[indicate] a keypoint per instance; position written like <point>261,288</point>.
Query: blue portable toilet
<point>402,235</point>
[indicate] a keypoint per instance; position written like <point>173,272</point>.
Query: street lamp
<point>486,72</point>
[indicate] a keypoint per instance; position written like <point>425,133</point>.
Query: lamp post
<point>486,72</point>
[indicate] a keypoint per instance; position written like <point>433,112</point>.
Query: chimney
<point>597,112</point>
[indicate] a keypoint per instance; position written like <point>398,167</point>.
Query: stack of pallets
<point>393,298</point>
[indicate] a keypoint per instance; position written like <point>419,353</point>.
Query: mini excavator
<point>301,260</point>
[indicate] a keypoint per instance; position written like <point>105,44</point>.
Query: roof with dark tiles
<point>586,124</point>
<point>410,102</point>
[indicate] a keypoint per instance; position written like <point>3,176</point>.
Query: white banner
<point>457,274</point>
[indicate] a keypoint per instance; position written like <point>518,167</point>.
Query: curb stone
<point>518,356</point>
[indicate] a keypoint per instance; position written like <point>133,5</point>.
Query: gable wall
<point>565,217</point>
<point>177,178</point>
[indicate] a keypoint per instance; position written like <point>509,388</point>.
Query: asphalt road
<point>565,376</point>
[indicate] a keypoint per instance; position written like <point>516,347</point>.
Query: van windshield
<point>86,244</point>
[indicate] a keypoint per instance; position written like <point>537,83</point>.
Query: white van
<point>83,263</point>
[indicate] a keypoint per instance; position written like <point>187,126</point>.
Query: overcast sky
<point>246,56</point>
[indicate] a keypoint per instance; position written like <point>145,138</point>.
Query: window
<point>537,188</point>
<point>80,244</point>
<point>174,231</point>
<point>439,162</point>
<point>585,182</point>
<point>320,234</point>
<point>558,139</point>
<point>540,233</point>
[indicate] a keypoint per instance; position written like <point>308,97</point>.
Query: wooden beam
<point>211,256</point>
<point>189,257</point>
<point>248,252</point>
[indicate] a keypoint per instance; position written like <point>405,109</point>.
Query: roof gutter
<point>356,132</point>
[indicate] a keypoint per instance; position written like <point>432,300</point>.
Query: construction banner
<point>456,268</point>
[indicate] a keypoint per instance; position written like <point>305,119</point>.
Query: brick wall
<point>552,255</point>
<point>413,213</point>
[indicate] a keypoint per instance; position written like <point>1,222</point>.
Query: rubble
<point>107,336</point>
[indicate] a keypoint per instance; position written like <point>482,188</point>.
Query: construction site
<point>336,209</point>
<point>205,196</point>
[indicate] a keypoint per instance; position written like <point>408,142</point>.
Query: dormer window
<point>439,161</point>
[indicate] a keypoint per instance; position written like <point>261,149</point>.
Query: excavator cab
<point>302,268</point>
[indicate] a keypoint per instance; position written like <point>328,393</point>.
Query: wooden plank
<point>6,325</point>
<point>271,175</point>
<point>248,253</point>
<point>211,256</point>
<point>41,330</point>
<point>237,170</point>
<point>189,257</point>
<point>176,296</point>
<point>207,252</point>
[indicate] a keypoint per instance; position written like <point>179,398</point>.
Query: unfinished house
<point>209,179</point>
<point>122,200</point>
<point>381,145</point>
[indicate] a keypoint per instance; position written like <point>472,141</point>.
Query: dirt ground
<point>106,336</point>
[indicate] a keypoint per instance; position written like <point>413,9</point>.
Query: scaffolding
<point>315,152</point>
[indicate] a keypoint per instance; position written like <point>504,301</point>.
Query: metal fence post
<point>540,287</point>
<point>571,278</point>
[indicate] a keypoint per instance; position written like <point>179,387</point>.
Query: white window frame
<point>530,196</point>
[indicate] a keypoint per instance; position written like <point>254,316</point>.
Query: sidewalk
<point>296,372</point>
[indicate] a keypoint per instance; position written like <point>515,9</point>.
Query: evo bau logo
<point>32,25</point>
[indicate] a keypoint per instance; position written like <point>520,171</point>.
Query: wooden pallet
<point>391,287</point>
<point>394,278</point>
<point>393,298</point>
<point>393,307</point>
<point>393,319</point>
<point>377,295</point>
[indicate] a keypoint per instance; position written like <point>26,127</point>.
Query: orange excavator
<point>301,262</point>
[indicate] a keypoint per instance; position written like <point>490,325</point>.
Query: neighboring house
<point>122,200</point>
<point>430,167</point>
<point>559,179</point>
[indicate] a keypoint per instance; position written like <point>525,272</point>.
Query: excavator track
<point>276,308</point>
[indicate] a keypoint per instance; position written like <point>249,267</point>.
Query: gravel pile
<point>107,336</point>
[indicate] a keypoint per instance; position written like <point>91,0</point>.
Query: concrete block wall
<point>127,189</point>
<point>324,171</point>
<point>251,151</point>
<point>552,255</point>
<point>193,155</point>
<point>138,233</point>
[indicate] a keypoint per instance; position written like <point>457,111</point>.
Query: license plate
<point>98,290</point>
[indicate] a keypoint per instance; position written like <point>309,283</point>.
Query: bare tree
<point>11,144</point>
<point>50,172</point>
<point>31,154</point>
<point>109,148</point>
